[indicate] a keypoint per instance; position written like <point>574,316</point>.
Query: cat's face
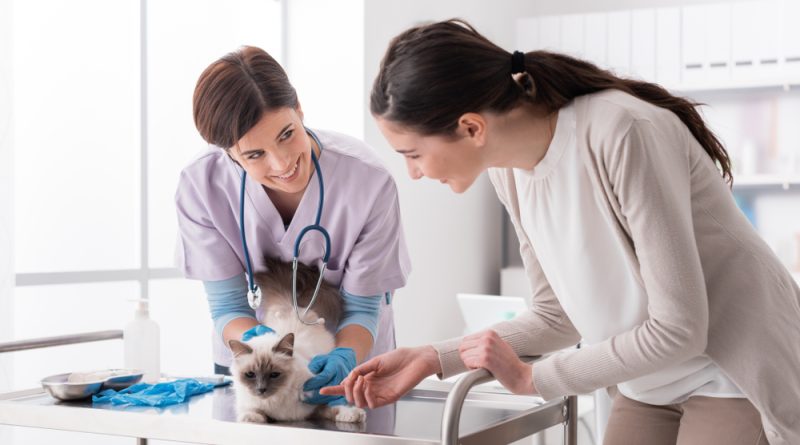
<point>263,371</point>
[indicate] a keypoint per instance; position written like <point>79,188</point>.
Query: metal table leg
<point>523,425</point>
<point>571,425</point>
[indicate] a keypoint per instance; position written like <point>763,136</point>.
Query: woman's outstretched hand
<point>387,377</point>
<point>487,350</point>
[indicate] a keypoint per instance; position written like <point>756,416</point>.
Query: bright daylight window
<point>102,125</point>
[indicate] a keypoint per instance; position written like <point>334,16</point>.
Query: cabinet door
<point>693,49</point>
<point>643,44</point>
<point>619,42</point>
<point>718,42</point>
<point>744,46</point>
<point>668,46</point>
<point>791,40</point>
<point>572,30</point>
<point>596,39</point>
<point>768,34</point>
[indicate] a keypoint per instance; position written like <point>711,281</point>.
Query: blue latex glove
<point>256,331</point>
<point>331,369</point>
<point>159,394</point>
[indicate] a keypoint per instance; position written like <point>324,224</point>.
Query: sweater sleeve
<point>649,173</point>
<point>542,329</point>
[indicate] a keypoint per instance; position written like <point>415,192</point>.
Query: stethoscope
<point>254,292</point>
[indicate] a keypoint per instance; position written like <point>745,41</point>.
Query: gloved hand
<point>331,369</point>
<point>256,331</point>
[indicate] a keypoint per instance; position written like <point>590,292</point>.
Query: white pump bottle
<point>141,339</point>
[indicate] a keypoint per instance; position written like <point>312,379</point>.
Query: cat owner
<point>630,237</point>
<point>247,110</point>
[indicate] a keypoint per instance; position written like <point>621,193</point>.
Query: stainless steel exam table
<point>433,413</point>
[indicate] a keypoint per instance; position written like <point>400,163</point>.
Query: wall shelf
<point>760,182</point>
<point>732,86</point>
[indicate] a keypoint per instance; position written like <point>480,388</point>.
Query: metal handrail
<point>458,394</point>
<point>45,342</point>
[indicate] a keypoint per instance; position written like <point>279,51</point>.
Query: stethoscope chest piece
<point>254,297</point>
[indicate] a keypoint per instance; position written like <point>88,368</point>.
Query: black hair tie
<point>517,62</point>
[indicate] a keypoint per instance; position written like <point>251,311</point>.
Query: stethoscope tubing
<point>254,292</point>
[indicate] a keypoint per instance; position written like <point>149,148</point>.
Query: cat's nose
<point>262,390</point>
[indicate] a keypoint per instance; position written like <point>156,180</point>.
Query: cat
<point>268,371</point>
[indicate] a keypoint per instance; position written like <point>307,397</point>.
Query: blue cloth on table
<point>159,394</point>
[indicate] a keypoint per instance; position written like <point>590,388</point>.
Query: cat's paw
<point>350,414</point>
<point>252,417</point>
<point>342,413</point>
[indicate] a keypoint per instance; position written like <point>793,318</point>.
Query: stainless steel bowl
<point>58,387</point>
<point>122,381</point>
<point>61,388</point>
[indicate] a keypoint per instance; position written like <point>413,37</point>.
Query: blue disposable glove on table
<point>256,331</point>
<point>158,394</point>
<point>330,370</point>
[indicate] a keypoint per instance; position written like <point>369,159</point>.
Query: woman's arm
<point>387,377</point>
<point>356,337</point>
<point>359,324</point>
<point>227,301</point>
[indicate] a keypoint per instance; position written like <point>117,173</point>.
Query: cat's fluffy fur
<point>269,370</point>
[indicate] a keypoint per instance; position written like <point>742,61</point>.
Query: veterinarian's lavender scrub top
<point>361,213</point>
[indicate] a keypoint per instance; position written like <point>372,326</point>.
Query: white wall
<point>6,217</point>
<point>325,63</point>
<point>454,240</point>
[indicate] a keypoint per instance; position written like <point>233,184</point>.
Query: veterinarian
<point>631,240</point>
<point>247,110</point>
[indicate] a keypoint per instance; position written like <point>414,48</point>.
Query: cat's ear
<point>286,345</point>
<point>238,348</point>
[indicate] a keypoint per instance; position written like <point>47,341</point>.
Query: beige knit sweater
<point>713,285</point>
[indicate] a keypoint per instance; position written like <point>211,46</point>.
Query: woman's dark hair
<point>433,74</point>
<point>235,91</point>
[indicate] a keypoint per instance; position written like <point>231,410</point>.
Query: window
<point>102,125</point>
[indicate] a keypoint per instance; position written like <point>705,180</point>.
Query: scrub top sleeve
<point>202,251</point>
<point>379,261</point>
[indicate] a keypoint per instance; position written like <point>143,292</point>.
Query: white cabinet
<point>643,44</point>
<point>694,47</point>
<point>744,46</point>
<point>668,46</point>
<point>619,42</point>
<point>791,39</point>
<point>572,30</point>
<point>768,33</point>
<point>718,43</point>
<point>595,38</point>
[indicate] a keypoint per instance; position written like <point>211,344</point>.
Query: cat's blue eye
<point>274,375</point>
<point>250,374</point>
